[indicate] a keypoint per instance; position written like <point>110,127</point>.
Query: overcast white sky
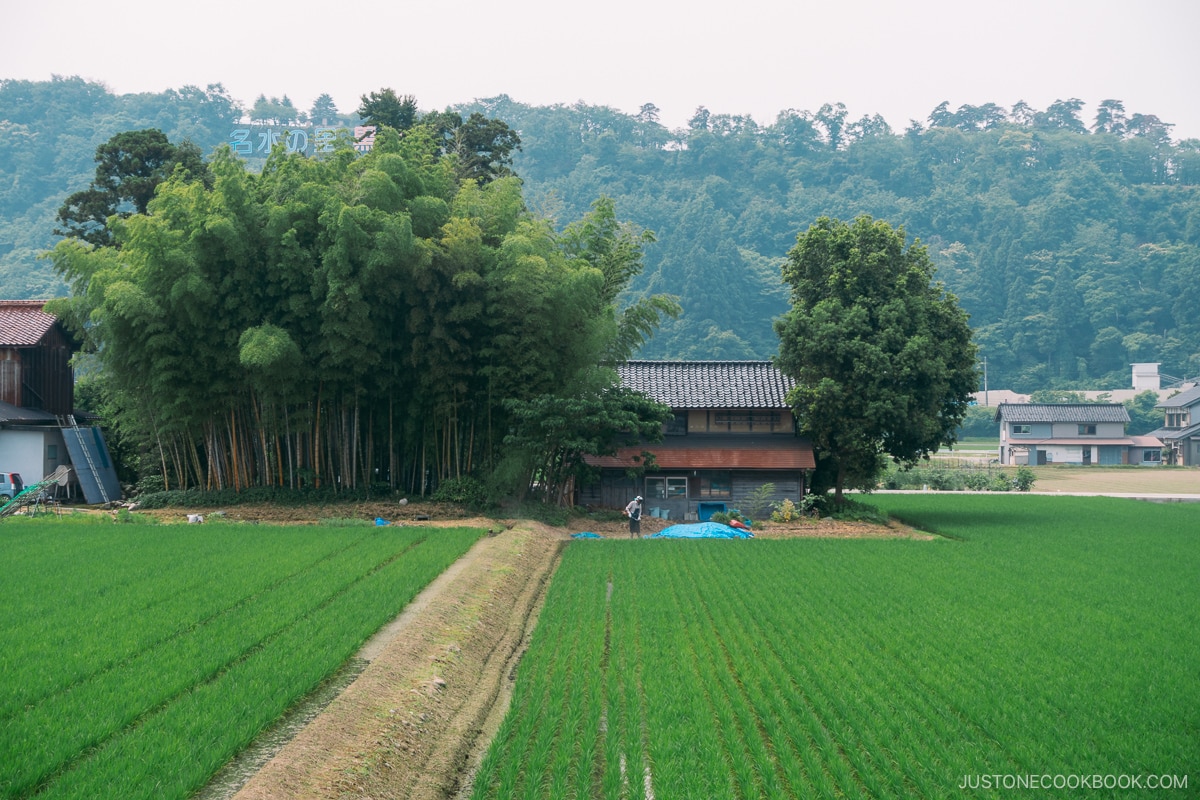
<point>752,57</point>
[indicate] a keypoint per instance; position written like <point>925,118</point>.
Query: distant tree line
<point>1073,244</point>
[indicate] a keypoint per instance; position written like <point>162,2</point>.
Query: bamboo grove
<point>353,321</point>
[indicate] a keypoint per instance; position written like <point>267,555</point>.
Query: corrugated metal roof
<point>23,323</point>
<point>1062,412</point>
<point>15,415</point>
<point>708,384</point>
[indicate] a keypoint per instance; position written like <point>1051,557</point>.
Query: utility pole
<point>985,389</point>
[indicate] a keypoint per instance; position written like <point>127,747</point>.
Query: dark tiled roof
<point>708,384</point>
<point>23,323</point>
<point>1061,412</point>
<point>1181,400</point>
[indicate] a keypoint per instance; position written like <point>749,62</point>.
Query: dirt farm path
<point>437,680</point>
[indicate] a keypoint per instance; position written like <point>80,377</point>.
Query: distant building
<point>38,429</point>
<point>1146,378</point>
<point>1181,427</point>
<point>731,432</point>
<point>1072,433</point>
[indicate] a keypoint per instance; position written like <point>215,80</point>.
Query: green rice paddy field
<point>135,660</point>
<point>1043,647</point>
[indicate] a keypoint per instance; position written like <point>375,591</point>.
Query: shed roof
<point>1061,412</point>
<point>23,323</point>
<point>708,384</point>
<point>15,415</point>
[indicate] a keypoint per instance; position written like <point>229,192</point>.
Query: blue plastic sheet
<point>702,530</point>
<point>586,535</point>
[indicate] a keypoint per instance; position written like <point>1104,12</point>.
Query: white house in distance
<point>1072,433</point>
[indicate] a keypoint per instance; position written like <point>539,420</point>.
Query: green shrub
<point>1024,479</point>
<point>854,511</point>
<point>944,480</point>
<point>544,512</point>
<point>785,511</point>
<point>758,502</point>
<point>977,481</point>
<point>195,498</point>
<point>1000,483</point>
<point>125,516</point>
<point>466,491</point>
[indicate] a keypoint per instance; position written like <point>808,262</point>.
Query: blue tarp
<point>701,530</point>
<point>586,535</point>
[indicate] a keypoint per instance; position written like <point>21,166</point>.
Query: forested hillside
<point>1073,244</point>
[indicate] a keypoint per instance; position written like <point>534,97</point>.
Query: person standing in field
<point>634,512</point>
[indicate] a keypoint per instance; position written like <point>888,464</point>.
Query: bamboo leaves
<point>277,324</point>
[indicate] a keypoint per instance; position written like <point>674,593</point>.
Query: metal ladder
<point>87,454</point>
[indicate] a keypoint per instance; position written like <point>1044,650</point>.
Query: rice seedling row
<point>58,647</point>
<point>162,721</point>
<point>1046,637</point>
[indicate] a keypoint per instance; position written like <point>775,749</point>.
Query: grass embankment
<point>136,660</point>
<point>1044,635</point>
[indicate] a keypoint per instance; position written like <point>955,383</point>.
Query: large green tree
<point>387,109</point>
<point>129,168</point>
<point>881,353</point>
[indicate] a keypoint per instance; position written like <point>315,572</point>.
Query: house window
<point>1087,430</point>
<point>665,488</point>
<point>745,421</point>
<point>677,424</point>
<point>1151,456</point>
<point>1177,418</point>
<point>1022,429</point>
<point>714,484</point>
<point>51,452</point>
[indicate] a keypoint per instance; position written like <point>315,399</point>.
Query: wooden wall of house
<point>39,377</point>
<point>10,376</point>
<point>616,490</point>
<point>787,486</point>
<point>755,420</point>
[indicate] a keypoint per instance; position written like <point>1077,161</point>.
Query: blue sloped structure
<point>702,530</point>
<point>94,468</point>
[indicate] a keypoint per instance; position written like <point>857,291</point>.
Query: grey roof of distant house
<point>1061,412</point>
<point>1173,434</point>
<point>708,384</point>
<point>1182,399</point>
